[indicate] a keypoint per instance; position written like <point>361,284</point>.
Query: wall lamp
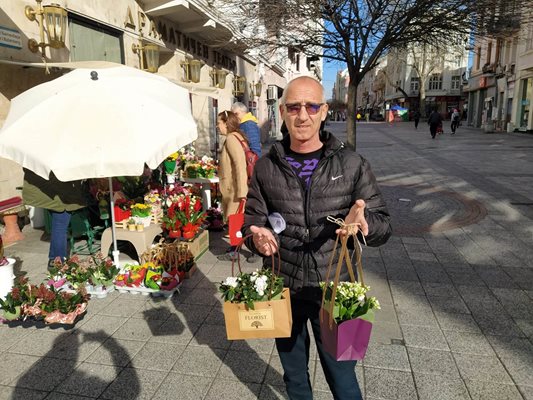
<point>149,55</point>
<point>191,70</point>
<point>256,88</point>
<point>56,24</point>
<point>239,85</point>
<point>219,78</point>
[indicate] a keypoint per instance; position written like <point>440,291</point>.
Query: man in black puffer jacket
<point>306,177</point>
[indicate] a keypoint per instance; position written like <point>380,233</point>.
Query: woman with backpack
<point>232,172</point>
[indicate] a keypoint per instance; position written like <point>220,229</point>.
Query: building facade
<point>500,86</point>
<point>196,49</point>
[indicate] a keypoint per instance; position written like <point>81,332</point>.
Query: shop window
<point>92,41</point>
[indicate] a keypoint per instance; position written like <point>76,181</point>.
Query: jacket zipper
<point>308,207</point>
<point>306,194</point>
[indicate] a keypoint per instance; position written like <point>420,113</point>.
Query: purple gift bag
<point>347,341</point>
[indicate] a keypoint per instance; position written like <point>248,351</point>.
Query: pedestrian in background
<point>60,199</point>
<point>456,118</point>
<point>434,121</point>
<point>248,126</point>
<point>232,169</point>
<point>416,117</point>
<point>342,185</point>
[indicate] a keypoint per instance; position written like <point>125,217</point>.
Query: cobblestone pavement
<point>455,283</point>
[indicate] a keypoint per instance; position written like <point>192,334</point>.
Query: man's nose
<point>302,114</point>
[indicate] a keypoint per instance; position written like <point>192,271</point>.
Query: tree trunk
<point>351,129</point>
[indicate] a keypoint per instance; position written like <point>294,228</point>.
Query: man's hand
<point>264,240</point>
<point>356,216</point>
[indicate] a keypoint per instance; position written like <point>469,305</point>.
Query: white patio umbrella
<point>98,122</point>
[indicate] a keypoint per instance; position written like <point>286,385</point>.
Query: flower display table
<point>140,240</point>
<point>206,188</point>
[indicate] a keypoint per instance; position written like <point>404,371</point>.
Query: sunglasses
<point>311,108</point>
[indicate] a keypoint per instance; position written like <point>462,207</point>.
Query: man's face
<point>303,122</point>
<point>238,113</point>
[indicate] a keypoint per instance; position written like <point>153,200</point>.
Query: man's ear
<point>325,109</point>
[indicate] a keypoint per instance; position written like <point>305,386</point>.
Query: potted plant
<point>11,304</point>
<point>207,167</point>
<point>184,213</point>
<point>141,213</point>
<point>250,288</point>
<point>346,319</point>
<point>103,273</point>
<point>60,306</point>
<point>131,224</point>
<point>256,305</point>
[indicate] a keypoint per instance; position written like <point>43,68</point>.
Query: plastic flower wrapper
<point>154,275</point>
<point>351,301</point>
<point>260,285</point>
<point>131,275</point>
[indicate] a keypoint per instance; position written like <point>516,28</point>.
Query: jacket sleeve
<point>376,213</point>
<point>238,165</point>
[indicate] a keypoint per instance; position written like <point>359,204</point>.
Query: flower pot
<point>131,227</point>
<point>12,316</point>
<point>12,231</point>
<point>120,214</point>
<point>6,277</point>
<point>143,220</point>
<point>140,227</point>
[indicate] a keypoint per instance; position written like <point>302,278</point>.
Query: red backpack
<point>251,159</point>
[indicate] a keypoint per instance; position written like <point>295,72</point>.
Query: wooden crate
<point>199,245</point>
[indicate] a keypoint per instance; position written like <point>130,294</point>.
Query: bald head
<point>304,80</point>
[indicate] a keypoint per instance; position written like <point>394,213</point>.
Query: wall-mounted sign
<point>10,38</point>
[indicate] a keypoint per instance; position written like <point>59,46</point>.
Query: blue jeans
<point>294,355</point>
<point>58,234</point>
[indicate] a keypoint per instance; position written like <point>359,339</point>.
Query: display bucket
<point>7,278</point>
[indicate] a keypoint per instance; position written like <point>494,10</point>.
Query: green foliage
<point>350,300</point>
<point>260,285</point>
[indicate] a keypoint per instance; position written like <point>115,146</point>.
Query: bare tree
<point>359,32</point>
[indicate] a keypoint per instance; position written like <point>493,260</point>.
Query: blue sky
<point>330,72</point>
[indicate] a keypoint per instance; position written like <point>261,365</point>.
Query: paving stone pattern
<point>455,283</point>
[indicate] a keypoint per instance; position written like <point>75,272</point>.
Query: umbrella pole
<point>113,231</point>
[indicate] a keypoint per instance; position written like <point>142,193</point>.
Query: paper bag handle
<point>272,255</point>
<point>344,255</point>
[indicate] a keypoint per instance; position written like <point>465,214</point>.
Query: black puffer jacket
<point>341,177</point>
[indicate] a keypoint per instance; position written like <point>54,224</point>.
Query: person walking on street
<point>249,127</point>
<point>305,177</point>
<point>232,169</point>
<point>416,117</point>
<point>456,117</point>
<point>434,121</point>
